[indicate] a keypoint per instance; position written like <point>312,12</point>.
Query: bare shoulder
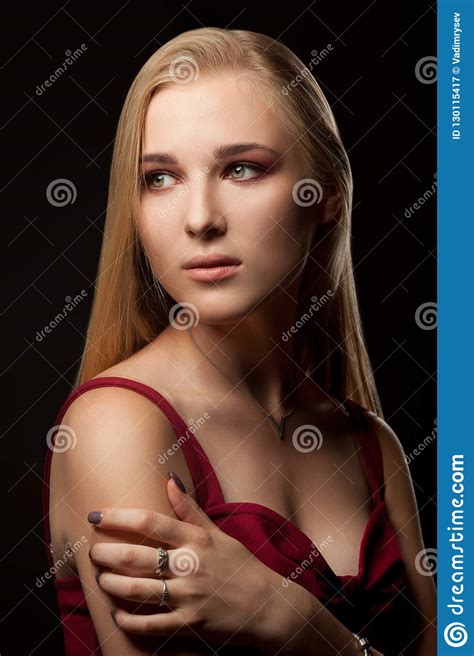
<point>120,457</point>
<point>116,427</point>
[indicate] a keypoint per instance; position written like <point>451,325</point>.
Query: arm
<point>402,510</point>
<point>305,626</point>
<point>120,436</point>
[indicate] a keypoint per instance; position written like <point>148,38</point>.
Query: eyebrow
<point>220,153</point>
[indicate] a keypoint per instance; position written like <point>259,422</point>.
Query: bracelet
<point>363,644</point>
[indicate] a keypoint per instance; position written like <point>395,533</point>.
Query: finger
<point>163,624</point>
<point>182,561</point>
<point>147,522</point>
<point>137,589</point>
<point>140,559</point>
<point>186,508</point>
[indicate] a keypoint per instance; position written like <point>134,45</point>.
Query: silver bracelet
<point>363,644</point>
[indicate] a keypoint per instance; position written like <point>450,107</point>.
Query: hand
<point>217,588</point>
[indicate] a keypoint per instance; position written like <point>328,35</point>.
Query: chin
<point>220,307</point>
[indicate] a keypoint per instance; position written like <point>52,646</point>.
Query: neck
<point>252,354</point>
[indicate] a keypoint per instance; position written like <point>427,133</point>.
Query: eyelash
<point>148,177</point>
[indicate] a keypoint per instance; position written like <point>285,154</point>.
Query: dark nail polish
<point>178,481</point>
<point>97,575</point>
<point>94,517</point>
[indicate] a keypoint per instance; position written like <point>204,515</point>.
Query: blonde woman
<point>225,346</point>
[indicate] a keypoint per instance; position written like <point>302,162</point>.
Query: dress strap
<point>206,485</point>
<point>367,438</point>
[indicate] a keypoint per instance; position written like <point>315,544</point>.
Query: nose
<point>204,215</point>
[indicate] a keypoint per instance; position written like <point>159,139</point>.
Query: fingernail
<point>113,612</point>
<point>97,575</point>
<point>94,517</point>
<point>178,481</point>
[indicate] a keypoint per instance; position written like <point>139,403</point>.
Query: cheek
<point>159,237</point>
<point>274,224</point>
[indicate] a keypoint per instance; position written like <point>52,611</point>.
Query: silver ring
<point>162,561</point>
<point>165,594</point>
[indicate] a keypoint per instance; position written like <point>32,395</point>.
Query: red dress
<point>374,603</point>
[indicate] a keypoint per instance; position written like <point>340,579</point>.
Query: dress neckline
<point>292,530</point>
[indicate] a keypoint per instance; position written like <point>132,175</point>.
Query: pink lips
<point>211,260</point>
<point>214,266</point>
<point>211,274</point>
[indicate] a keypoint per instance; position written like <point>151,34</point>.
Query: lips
<point>211,260</point>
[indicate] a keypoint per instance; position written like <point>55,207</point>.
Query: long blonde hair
<point>130,308</point>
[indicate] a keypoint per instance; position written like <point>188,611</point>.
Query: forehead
<point>222,108</point>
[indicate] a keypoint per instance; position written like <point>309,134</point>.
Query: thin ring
<point>165,594</point>
<point>162,561</point>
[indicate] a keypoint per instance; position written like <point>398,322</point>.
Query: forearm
<point>305,626</point>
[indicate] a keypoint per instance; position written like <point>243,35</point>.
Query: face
<point>199,198</point>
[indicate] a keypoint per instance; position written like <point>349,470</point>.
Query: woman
<point>225,347</point>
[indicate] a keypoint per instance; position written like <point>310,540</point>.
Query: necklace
<point>280,427</point>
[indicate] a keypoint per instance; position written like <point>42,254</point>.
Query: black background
<point>387,119</point>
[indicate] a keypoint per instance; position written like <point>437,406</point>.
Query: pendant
<point>281,427</point>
